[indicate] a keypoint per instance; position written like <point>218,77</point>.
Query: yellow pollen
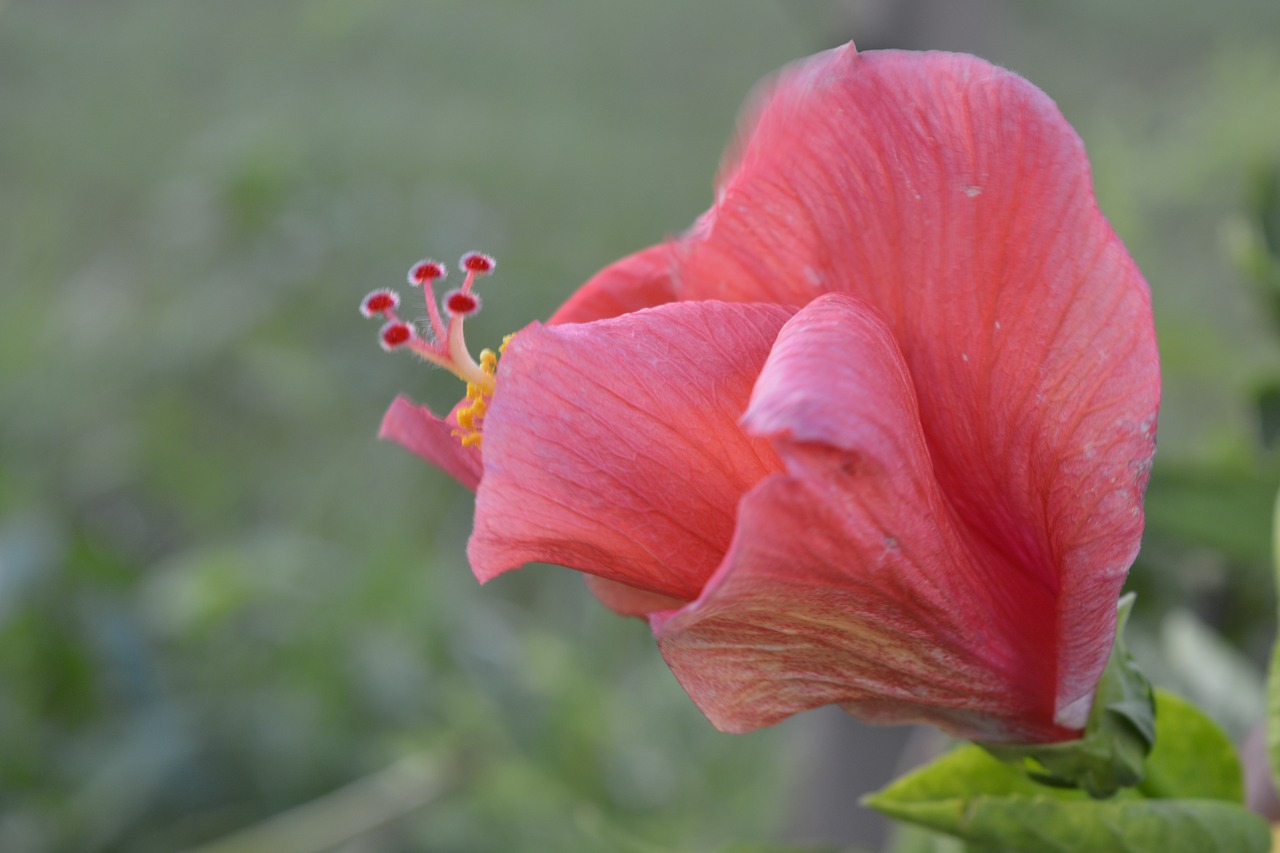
<point>471,416</point>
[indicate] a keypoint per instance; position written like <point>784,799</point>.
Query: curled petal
<point>613,448</point>
<point>850,579</point>
<point>952,196</point>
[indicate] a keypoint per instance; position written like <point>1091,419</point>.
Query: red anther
<point>380,302</point>
<point>395,334</point>
<point>477,262</point>
<point>426,270</point>
<point>459,303</point>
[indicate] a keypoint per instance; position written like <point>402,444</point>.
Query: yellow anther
<point>470,417</point>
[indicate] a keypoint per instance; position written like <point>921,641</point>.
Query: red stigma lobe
<point>477,262</point>
<point>426,270</point>
<point>379,302</point>
<point>395,334</point>
<point>461,303</point>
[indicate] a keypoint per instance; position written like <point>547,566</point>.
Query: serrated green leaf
<point>969,794</point>
<point>1193,757</point>
<point>967,772</point>
<point>1043,824</point>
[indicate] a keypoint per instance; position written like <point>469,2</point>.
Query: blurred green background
<point>229,616</point>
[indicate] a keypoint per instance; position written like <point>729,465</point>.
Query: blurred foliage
<point>223,603</point>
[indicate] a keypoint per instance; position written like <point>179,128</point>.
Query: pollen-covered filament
<point>444,344</point>
<point>471,416</point>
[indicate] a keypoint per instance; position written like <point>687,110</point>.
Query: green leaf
<point>968,772</point>
<point>970,794</point>
<point>1193,758</point>
<point>1047,825</point>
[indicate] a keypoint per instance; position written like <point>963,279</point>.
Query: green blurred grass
<point>220,598</point>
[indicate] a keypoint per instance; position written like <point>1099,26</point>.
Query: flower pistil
<point>444,343</point>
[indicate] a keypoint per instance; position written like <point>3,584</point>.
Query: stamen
<point>471,416</point>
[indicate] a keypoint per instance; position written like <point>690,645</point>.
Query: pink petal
<point>642,280</point>
<point>850,579</point>
<point>613,447</point>
<point>952,196</point>
<point>628,600</point>
<point>417,430</point>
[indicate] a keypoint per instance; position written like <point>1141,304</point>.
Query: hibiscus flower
<point>875,431</point>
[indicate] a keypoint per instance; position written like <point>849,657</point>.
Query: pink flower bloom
<point>875,431</point>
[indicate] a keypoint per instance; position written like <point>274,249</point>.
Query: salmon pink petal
<point>417,430</point>
<point>642,280</point>
<point>628,600</point>
<point>953,197</point>
<point>613,447</point>
<point>851,579</point>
